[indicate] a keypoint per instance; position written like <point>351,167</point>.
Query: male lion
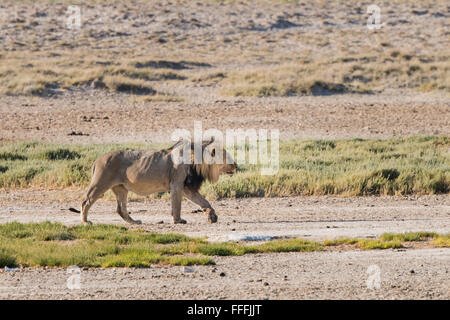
<point>145,172</point>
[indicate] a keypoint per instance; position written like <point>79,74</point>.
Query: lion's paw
<point>212,217</point>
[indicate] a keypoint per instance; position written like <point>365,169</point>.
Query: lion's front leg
<point>176,195</point>
<point>211,213</point>
<point>197,198</point>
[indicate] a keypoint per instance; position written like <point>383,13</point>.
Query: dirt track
<point>307,217</point>
<point>404,273</point>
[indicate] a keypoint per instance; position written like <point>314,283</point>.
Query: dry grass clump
<point>127,85</point>
<point>159,97</point>
<point>31,74</point>
<point>267,47</point>
<point>349,74</point>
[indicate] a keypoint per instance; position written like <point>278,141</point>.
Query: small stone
<point>266,284</point>
<point>222,274</point>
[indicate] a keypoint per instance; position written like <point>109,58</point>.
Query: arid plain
<point>135,71</point>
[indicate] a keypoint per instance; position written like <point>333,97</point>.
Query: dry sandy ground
<point>411,274</point>
<point>315,218</point>
<point>104,117</point>
<point>219,37</point>
<point>404,273</point>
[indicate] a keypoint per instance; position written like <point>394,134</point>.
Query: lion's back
<point>150,166</point>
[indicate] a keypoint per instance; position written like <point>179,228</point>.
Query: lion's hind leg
<point>176,196</point>
<point>121,196</point>
<point>94,193</point>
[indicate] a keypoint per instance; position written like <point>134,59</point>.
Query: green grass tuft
<point>54,244</point>
<point>408,236</point>
<point>6,259</point>
<point>393,240</point>
<point>442,241</point>
<point>60,154</point>
<point>365,244</point>
<point>340,241</point>
<point>10,156</point>
<point>368,244</point>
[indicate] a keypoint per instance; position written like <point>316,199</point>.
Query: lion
<point>145,172</point>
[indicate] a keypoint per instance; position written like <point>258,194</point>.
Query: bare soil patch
<point>98,118</point>
<point>411,274</point>
<point>314,218</point>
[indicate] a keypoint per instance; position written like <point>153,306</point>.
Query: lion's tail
<point>93,173</point>
<point>175,145</point>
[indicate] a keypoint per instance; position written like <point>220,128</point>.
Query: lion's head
<point>213,161</point>
<point>216,160</point>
